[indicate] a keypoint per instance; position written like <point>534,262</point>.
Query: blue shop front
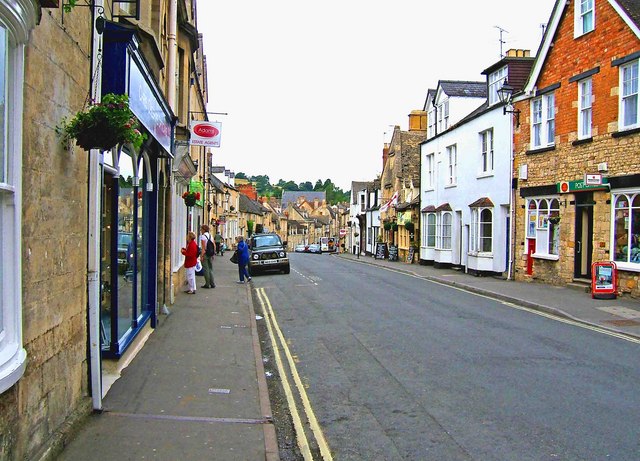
<point>133,210</point>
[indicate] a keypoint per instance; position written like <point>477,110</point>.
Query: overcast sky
<point>311,88</point>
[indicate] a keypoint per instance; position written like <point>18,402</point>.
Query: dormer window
<point>584,17</point>
<point>496,79</point>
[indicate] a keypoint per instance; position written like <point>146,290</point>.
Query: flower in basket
<point>190,198</point>
<point>103,125</point>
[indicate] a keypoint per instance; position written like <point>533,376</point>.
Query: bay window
<point>16,21</point>
<point>443,233</point>
<point>481,239</point>
<point>429,229</point>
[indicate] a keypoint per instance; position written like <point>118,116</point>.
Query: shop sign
<point>205,133</point>
<point>582,185</point>
<point>404,217</point>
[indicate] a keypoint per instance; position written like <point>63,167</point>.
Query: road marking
<point>303,443</point>
<point>305,277</point>
<point>311,417</point>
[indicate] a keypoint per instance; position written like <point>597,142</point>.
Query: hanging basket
<point>100,136</point>
<point>190,198</point>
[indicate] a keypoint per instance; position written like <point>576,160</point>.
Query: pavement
<point>197,389</point>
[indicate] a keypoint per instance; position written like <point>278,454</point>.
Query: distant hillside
<point>265,188</point>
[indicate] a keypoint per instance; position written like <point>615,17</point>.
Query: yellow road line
<point>303,443</point>
<point>313,422</point>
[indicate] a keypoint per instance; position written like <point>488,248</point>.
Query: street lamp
<point>505,94</point>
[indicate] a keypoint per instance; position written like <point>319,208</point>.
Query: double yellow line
<point>278,337</point>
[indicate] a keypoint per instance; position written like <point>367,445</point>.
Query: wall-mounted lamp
<point>226,196</point>
<point>505,94</point>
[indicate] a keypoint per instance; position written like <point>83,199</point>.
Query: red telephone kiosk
<point>604,280</point>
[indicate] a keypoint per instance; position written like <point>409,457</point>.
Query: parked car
<point>267,252</point>
<point>301,248</point>
<point>315,248</point>
<point>124,251</point>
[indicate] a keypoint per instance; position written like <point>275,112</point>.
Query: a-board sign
<point>410,254</point>
<point>393,252</point>
<point>381,250</point>
<point>604,281</point>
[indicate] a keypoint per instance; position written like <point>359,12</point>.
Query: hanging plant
<point>387,226</point>
<point>103,125</point>
<point>409,226</point>
<point>394,226</point>
<point>190,198</point>
<point>555,220</point>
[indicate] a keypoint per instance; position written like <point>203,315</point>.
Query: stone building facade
<point>62,206</point>
<point>577,148</point>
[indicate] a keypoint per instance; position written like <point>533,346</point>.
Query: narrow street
<point>395,367</point>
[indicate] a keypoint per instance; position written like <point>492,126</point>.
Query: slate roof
<point>632,7</point>
<point>247,205</point>
<point>464,89</point>
<point>357,186</point>
<point>289,196</point>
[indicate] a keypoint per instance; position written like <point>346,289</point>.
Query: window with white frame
<point>543,121</point>
<point>486,155</point>
<point>496,80</point>
<point>430,173</point>
<point>626,227</point>
<point>584,111</point>
<point>431,121</point>
<point>440,113</point>
<point>629,97</point>
<point>481,238</point>
<point>443,232</point>
<point>452,164</point>
<point>14,32</point>
<point>429,229</point>
<point>543,225</point>
<point>584,17</point>
<point>445,109</point>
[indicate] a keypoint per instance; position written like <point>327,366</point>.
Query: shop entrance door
<point>583,249</point>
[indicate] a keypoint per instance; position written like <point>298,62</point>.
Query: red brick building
<point>577,148</point>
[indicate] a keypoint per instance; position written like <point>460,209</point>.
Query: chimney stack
<point>418,120</point>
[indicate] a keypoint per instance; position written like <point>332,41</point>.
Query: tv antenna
<point>501,40</point>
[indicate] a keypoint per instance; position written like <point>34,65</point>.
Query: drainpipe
<point>94,231</point>
<point>511,199</point>
<point>173,50</point>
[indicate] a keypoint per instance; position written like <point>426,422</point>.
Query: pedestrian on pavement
<point>243,259</point>
<point>219,246</point>
<point>190,253</point>
<point>207,253</point>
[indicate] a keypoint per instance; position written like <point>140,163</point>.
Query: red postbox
<point>604,280</point>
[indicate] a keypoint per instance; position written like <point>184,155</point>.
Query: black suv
<point>268,252</point>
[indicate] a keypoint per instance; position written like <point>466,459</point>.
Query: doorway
<point>583,249</point>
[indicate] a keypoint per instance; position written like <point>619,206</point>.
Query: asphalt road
<point>399,368</point>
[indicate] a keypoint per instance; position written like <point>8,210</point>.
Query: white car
<point>301,248</point>
<point>315,248</point>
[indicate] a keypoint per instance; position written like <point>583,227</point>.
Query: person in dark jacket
<point>243,259</point>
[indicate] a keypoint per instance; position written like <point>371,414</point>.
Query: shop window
<point>124,304</point>
<point>481,239</point>
<point>626,228</point>
<point>543,225</point>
